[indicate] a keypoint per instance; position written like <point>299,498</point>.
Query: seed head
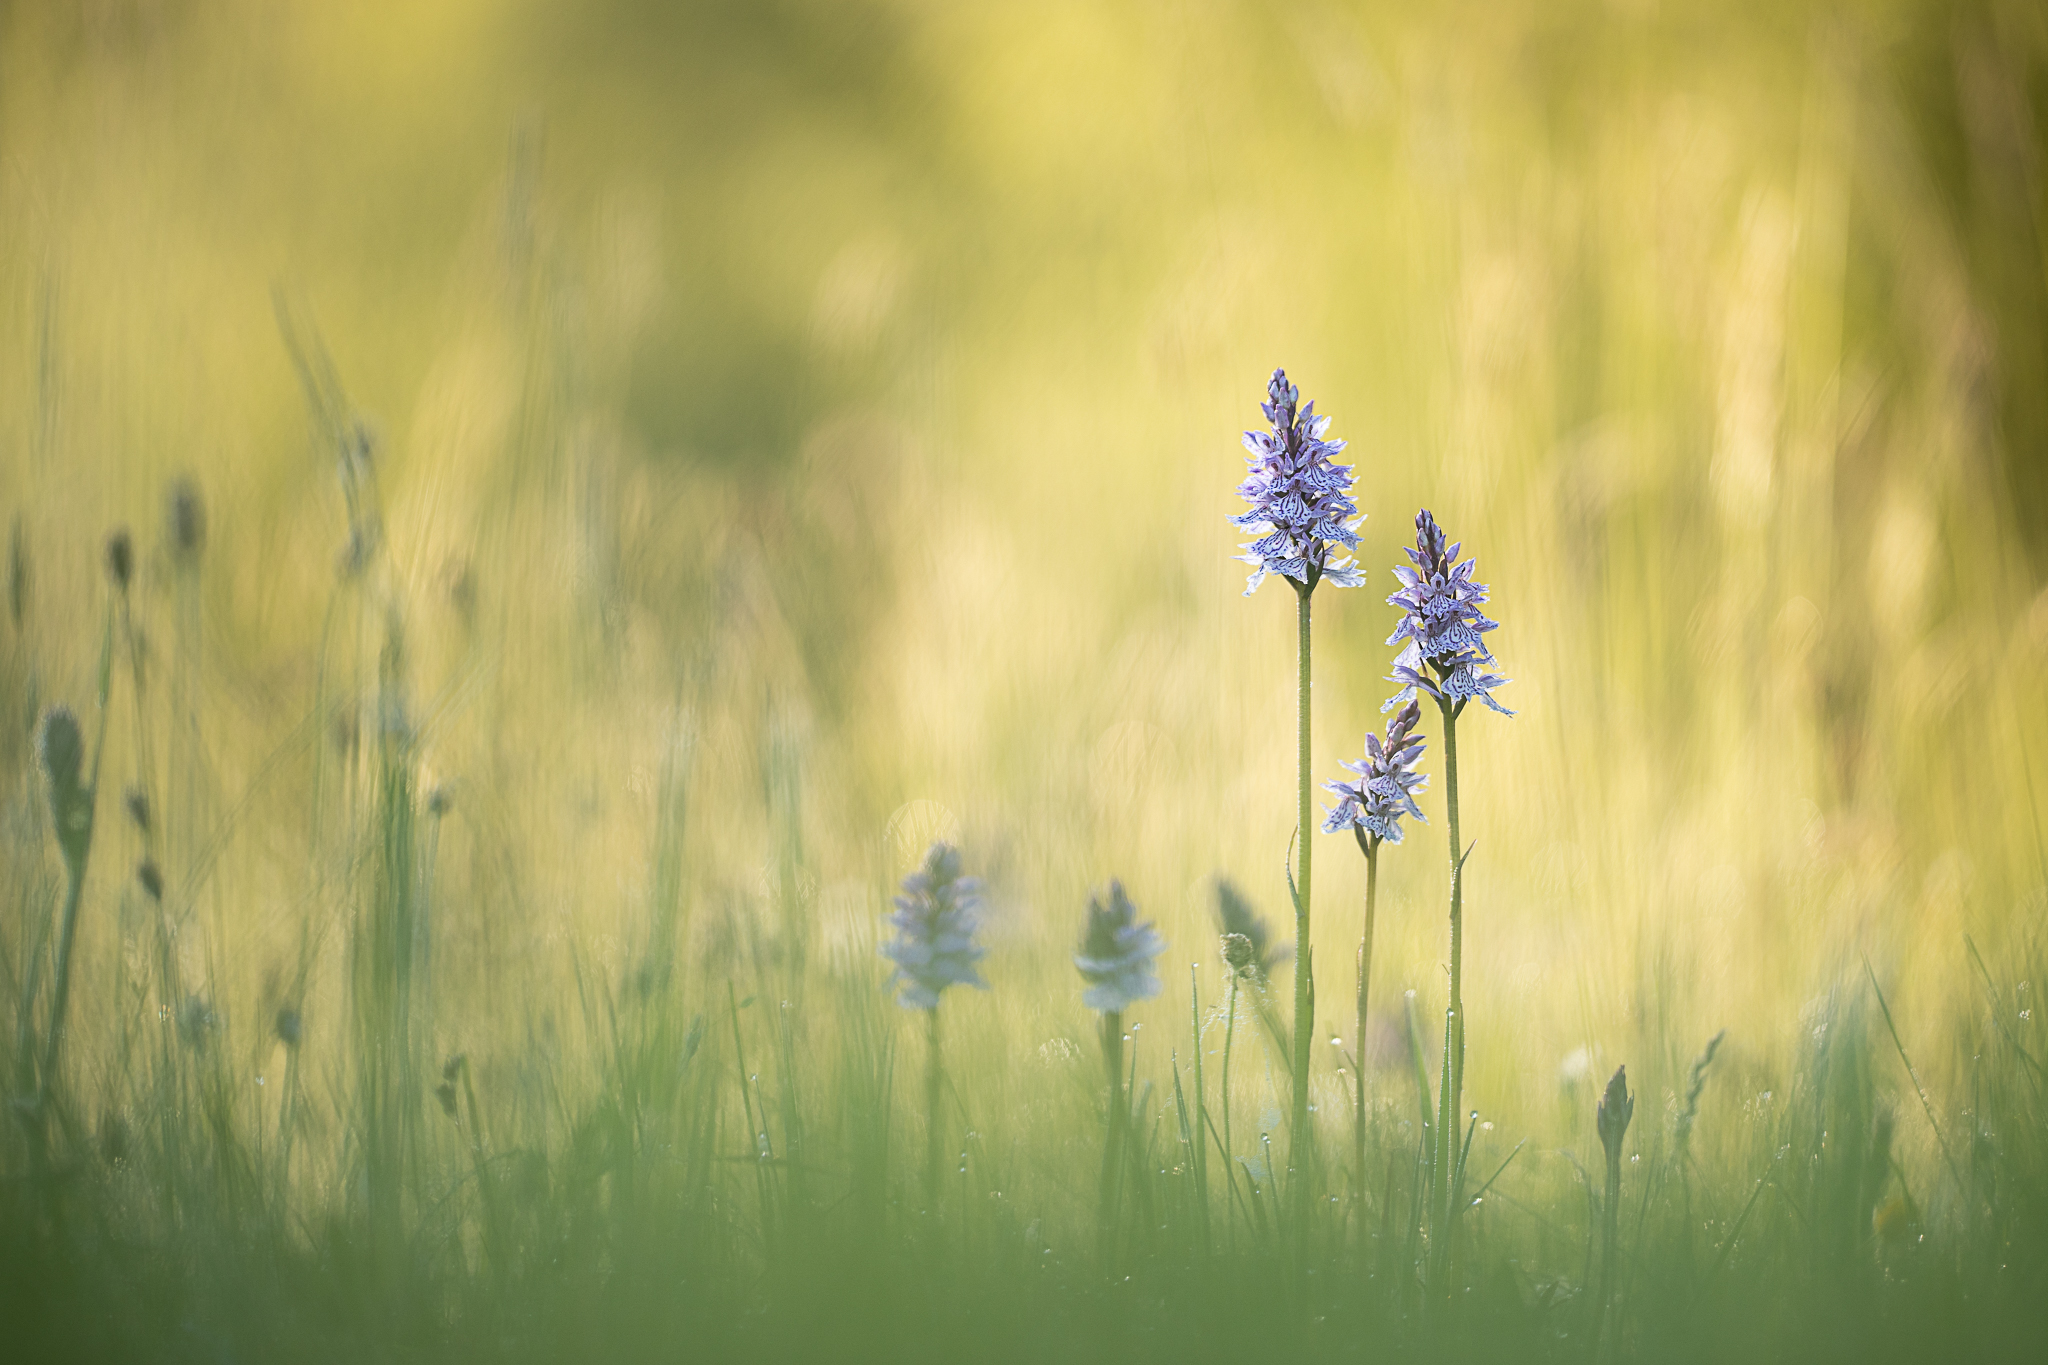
<point>1300,502</point>
<point>196,1022</point>
<point>935,921</point>
<point>451,1071</point>
<point>1247,939</point>
<point>185,520</point>
<point>290,1027</point>
<point>1239,954</point>
<point>120,558</point>
<point>17,572</point>
<point>1117,953</point>
<point>150,879</point>
<point>136,800</point>
<point>346,732</point>
<point>1386,782</point>
<point>1697,1085</point>
<point>1617,1107</point>
<point>1446,653</point>
<point>61,749</point>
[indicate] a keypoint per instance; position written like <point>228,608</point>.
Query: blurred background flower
<point>934,922</point>
<point>1118,953</point>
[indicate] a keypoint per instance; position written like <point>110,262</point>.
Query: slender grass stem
<point>1229,1152</point>
<point>1610,1240</point>
<point>1372,882</point>
<point>1304,984</point>
<point>1926,1105</point>
<point>75,858</point>
<point>1201,1152</point>
<point>757,1132</point>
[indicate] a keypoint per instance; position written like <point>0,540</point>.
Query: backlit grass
<point>606,489</point>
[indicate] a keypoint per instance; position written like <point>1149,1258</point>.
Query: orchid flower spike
<point>1301,503</point>
<point>1117,953</point>
<point>1446,653</point>
<point>1385,785</point>
<point>935,921</point>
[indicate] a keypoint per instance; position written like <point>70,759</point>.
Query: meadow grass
<point>494,805</point>
<point>709,1154</point>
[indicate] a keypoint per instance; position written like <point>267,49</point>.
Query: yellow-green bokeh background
<point>855,387</point>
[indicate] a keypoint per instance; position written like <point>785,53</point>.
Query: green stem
<point>1113,1061</point>
<point>934,1149</point>
<point>1453,1078</point>
<point>1372,883</point>
<point>1201,1152</point>
<point>1229,1152</point>
<point>1304,985</point>
<point>74,875</point>
<point>1610,1236</point>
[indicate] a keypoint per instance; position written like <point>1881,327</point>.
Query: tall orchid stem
<point>1371,845</point>
<point>1113,1062</point>
<point>1610,1238</point>
<point>1229,1152</point>
<point>1304,981</point>
<point>1443,1178</point>
<point>934,1148</point>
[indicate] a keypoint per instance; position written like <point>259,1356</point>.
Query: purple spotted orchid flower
<point>1117,953</point>
<point>1446,653</point>
<point>1385,785</point>
<point>935,922</point>
<point>1300,502</point>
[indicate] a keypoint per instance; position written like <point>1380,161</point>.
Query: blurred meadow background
<point>610,483</point>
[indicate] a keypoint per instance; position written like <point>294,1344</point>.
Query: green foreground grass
<point>720,1157</point>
